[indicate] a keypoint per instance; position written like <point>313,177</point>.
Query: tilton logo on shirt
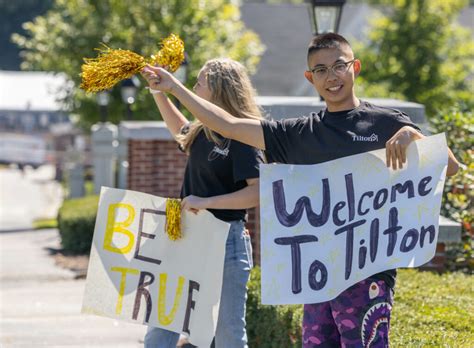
<point>373,137</point>
<point>220,151</point>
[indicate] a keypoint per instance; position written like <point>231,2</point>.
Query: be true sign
<point>328,226</point>
<point>137,274</point>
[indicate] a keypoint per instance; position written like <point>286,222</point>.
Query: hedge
<point>271,326</point>
<point>76,220</point>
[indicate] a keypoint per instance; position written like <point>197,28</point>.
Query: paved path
<point>27,196</point>
<point>40,303</point>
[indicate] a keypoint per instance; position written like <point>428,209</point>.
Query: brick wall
<point>155,167</point>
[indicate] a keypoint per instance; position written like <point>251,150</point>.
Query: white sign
<point>328,226</point>
<point>137,274</point>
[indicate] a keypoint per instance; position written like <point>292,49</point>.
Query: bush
<point>271,326</point>
<point>76,220</point>
<point>459,189</point>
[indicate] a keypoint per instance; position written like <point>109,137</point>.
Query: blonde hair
<point>231,90</point>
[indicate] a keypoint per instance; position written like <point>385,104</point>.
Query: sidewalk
<point>27,196</point>
<point>40,303</point>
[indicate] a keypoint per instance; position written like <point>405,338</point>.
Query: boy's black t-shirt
<point>214,170</point>
<point>326,136</point>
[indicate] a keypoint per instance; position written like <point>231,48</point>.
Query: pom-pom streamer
<point>173,218</point>
<point>113,65</point>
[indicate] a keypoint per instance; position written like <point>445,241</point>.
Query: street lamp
<point>325,15</point>
<point>128,91</point>
<point>182,74</point>
<point>103,99</point>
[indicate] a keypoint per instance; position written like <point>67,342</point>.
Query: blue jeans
<point>230,331</point>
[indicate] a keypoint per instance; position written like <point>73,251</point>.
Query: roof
<point>31,90</point>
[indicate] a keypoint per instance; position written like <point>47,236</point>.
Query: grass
<point>45,223</point>
<point>433,310</point>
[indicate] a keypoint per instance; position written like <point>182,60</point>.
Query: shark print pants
<point>358,318</point>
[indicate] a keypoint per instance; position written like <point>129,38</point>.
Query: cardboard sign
<point>137,274</point>
<point>328,226</point>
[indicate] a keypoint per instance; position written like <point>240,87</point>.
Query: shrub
<point>459,189</point>
<point>271,326</point>
<point>76,220</point>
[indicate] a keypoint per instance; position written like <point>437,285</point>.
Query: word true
<point>347,216</point>
<point>145,279</point>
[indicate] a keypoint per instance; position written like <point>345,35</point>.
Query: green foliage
<point>458,196</point>
<point>432,310</point>
<point>76,220</point>
<point>416,50</point>
<point>71,29</point>
<point>271,326</point>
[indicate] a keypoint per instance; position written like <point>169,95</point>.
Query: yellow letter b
<point>119,227</point>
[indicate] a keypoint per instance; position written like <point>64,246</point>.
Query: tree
<point>418,52</point>
<point>12,15</point>
<point>71,29</point>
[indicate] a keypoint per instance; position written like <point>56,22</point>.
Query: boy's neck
<point>348,104</point>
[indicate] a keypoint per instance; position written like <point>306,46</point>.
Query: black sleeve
<point>402,119</point>
<point>245,161</point>
<point>280,138</point>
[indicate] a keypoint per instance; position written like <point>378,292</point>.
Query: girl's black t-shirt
<point>214,170</point>
<point>326,136</point>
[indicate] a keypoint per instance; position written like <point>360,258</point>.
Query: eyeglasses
<point>339,68</point>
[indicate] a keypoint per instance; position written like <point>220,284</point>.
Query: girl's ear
<point>309,76</point>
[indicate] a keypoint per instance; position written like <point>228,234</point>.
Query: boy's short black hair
<point>327,40</point>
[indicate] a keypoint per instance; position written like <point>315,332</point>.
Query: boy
<point>348,126</point>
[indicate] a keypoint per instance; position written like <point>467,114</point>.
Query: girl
<point>222,176</point>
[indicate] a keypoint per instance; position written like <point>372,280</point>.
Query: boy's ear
<point>357,67</point>
<point>309,76</point>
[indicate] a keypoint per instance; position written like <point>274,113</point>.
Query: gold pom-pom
<point>171,53</point>
<point>173,218</point>
<point>109,68</point>
<point>114,65</point>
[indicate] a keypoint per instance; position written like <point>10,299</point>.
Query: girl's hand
<point>194,203</point>
<point>396,146</point>
<point>159,78</point>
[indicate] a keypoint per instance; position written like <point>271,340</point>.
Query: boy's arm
<point>396,150</point>
<point>246,131</point>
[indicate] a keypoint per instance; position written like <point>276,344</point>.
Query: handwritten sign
<point>328,226</point>
<point>137,274</point>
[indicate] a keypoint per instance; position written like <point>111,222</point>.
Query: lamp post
<point>128,91</point>
<point>103,99</point>
<point>182,74</point>
<point>325,15</point>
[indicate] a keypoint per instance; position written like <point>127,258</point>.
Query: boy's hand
<point>159,78</point>
<point>396,146</point>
